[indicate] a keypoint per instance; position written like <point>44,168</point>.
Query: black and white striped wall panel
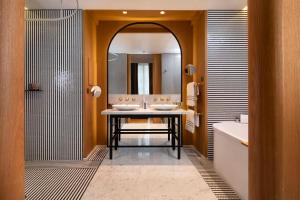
<point>227,68</point>
<point>54,61</point>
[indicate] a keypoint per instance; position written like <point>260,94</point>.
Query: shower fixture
<point>61,17</point>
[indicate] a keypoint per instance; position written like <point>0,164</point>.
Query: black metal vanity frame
<point>115,131</point>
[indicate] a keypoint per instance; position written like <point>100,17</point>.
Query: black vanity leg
<point>180,127</point>
<point>179,137</point>
<point>110,136</point>
<point>173,133</point>
<point>168,129</point>
<point>116,135</point>
<point>119,127</point>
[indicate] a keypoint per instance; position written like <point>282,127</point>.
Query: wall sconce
<point>95,91</point>
<point>190,69</point>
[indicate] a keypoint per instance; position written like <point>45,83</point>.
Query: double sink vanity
<point>144,81</point>
<point>169,112</point>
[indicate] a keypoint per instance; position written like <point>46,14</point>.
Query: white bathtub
<point>231,155</point>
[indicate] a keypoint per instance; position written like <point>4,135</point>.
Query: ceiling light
<point>25,8</point>
<point>245,8</point>
<point>125,12</point>
<point>162,12</point>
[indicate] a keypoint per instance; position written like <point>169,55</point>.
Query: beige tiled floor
<point>147,174</point>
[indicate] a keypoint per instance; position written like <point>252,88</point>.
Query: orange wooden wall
<point>12,100</point>
<point>274,99</point>
<point>191,34</point>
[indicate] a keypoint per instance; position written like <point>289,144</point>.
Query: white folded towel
<point>190,121</point>
<point>191,94</point>
<point>244,119</point>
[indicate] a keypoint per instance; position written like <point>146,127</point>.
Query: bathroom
<point>126,101</point>
<point>143,59</point>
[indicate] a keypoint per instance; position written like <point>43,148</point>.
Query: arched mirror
<point>144,59</point>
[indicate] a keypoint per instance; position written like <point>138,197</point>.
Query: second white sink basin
<point>163,106</point>
<point>125,106</point>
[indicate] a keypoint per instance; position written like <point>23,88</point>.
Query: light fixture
<point>190,69</point>
<point>125,12</point>
<point>25,8</point>
<point>245,8</point>
<point>162,12</point>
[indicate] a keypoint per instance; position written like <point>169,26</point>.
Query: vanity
<point>173,130</point>
<point>144,81</point>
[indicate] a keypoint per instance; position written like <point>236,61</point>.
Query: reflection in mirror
<point>144,59</point>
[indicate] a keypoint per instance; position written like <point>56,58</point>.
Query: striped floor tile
<point>218,186</point>
<point>98,154</point>
<point>61,180</point>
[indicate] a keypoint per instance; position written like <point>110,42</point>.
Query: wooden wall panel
<point>155,59</point>
<point>129,61</point>
<point>105,32</point>
<point>274,128</point>
<point>12,100</point>
<point>156,73</point>
<point>265,100</point>
<point>200,61</point>
<point>291,95</point>
<point>90,78</point>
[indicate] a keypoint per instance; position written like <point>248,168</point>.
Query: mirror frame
<point>137,23</point>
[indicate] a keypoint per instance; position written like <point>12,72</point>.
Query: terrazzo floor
<point>147,174</point>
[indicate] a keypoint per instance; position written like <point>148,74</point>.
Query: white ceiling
<point>144,43</point>
<point>140,4</point>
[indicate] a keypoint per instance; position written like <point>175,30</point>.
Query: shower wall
<point>53,61</point>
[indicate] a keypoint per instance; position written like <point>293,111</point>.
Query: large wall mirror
<point>144,59</point>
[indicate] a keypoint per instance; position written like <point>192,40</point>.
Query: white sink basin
<point>163,106</point>
<point>125,106</point>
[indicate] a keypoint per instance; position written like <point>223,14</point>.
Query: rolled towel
<point>191,94</point>
<point>190,121</point>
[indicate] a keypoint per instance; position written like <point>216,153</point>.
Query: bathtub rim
<point>216,126</point>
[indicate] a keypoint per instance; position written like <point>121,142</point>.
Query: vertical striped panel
<point>54,60</point>
<point>227,68</point>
